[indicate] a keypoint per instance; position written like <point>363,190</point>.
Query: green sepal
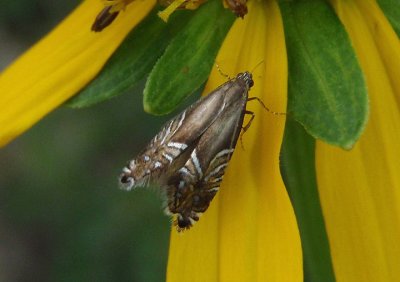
<point>298,172</point>
<point>327,91</point>
<point>133,60</point>
<point>391,9</point>
<point>188,59</point>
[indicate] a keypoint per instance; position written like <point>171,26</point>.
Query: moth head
<point>247,78</point>
<point>134,174</point>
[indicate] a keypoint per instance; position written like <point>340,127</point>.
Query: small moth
<point>188,157</point>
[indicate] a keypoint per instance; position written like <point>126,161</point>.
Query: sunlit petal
<point>249,232</point>
<point>59,65</point>
<point>360,189</point>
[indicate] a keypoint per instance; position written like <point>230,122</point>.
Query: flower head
<point>288,203</point>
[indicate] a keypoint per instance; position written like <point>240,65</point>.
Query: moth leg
<point>221,72</point>
<point>247,126</point>
<point>265,107</point>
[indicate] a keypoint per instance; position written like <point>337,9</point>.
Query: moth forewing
<point>169,150</point>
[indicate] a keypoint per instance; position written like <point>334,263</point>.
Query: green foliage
<point>298,172</point>
<point>188,60</point>
<point>327,92</point>
<point>176,56</point>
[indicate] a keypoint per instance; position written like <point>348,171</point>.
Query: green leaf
<point>391,9</point>
<point>298,172</point>
<point>133,60</point>
<point>188,60</point>
<point>327,92</point>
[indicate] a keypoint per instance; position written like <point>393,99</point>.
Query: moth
<point>188,157</point>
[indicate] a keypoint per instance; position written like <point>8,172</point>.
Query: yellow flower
<point>250,233</point>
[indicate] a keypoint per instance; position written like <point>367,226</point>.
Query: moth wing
<point>218,144</point>
<point>221,137</point>
<point>177,162</point>
<point>193,187</point>
<point>199,116</point>
<point>172,147</point>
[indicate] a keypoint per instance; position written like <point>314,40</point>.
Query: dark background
<point>62,216</point>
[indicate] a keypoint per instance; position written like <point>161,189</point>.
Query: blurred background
<point>62,216</point>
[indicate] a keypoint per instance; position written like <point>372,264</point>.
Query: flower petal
<point>360,189</point>
<point>249,233</point>
<point>59,65</point>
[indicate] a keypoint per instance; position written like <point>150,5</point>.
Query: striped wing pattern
<point>190,192</point>
<point>161,155</point>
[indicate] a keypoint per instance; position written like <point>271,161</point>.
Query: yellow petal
<point>249,233</point>
<point>59,65</point>
<point>386,41</point>
<point>360,189</point>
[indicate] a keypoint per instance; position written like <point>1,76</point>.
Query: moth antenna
<point>266,108</point>
<point>256,66</point>
<point>221,72</point>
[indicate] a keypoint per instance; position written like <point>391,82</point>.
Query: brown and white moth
<point>188,157</point>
